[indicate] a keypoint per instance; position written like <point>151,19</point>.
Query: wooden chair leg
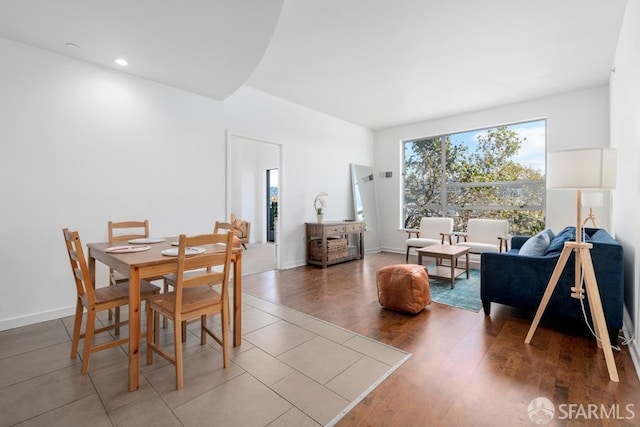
<point>88,338</point>
<point>203,333</point>
<point>156,327</point>
<point>225,337</point>
<point>184,331</point>
<point>77,324</point>
<point>165,289</point>
<point>116,331</point>
<point>177,344</point>
<point>150,334</point>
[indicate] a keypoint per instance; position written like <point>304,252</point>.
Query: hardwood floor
<point>466,369</point>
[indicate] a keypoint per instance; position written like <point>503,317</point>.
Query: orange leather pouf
<point>404,287</point>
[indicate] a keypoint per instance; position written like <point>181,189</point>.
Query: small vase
<point>320,218</point>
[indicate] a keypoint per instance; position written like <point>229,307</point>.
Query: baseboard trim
<point>634,346</point>
<point>31,319</point>
<point>294,264</point>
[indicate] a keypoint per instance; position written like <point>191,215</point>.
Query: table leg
<point>467,264</point>
<point>134,329</point>
<point>92,268</point>
<point>419,258</point>
<point>237,300</point>
<point>453,271</point>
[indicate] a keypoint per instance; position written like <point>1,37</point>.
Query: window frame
<point>446,208</point>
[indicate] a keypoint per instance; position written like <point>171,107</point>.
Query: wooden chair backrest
<point>487,230</point>
<point>432,227</point>
<point>202,268</point>
<point>124,231</point>
<point>79,268</point>
<point>220,225</point>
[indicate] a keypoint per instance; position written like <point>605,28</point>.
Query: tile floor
<point>291,370</point>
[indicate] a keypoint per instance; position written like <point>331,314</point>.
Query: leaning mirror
<point>364,204</point>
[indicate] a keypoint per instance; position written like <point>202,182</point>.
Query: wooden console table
<point>334,241</point>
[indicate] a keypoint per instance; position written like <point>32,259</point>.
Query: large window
<point>488,173</point>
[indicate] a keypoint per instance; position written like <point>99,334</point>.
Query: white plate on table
<point>191,250</point>
<point>127,249</point>
<point>146,240</point>
<point>175,243</point>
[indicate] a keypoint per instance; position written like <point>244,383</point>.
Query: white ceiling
<point>375,63</point>
<point>210,47</point>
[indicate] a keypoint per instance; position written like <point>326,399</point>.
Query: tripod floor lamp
<point>593,168</point>
<point>591,200</point>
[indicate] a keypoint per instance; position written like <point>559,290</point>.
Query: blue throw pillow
<point>568,234</point>
<point>538,244</point>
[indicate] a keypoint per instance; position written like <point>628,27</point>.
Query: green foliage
<point>425,169</point>
<point>273,209</point>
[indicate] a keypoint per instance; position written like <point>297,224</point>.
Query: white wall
<point>625,137</point>
<point>574,120</point>
<point>82,144</point>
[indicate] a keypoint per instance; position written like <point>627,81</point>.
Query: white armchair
<point>433,231</point>
<point>485,235</point>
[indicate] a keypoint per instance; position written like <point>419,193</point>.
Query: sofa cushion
<point>419,242</point>
<point>568,234</point>
<point>479,247</point>
<point>538,244</point>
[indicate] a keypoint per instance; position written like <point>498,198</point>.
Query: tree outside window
<point>489,173</point>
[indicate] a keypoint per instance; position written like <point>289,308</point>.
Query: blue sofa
<point>520,280</point>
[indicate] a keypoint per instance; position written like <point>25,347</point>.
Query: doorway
<point>252,166</point>
<point>272,204</point>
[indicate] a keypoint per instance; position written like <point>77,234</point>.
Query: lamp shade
<point>582,169</point>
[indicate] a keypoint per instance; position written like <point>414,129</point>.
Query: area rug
<point>465,294</point>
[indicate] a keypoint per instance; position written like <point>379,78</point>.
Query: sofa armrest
<point>447,237</point>
<point>504,242</point>
<point>459,234</point>
<point>518,241</point>
<point>518,281</point>
<point>411,231</point>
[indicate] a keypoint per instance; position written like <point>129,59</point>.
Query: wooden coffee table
<point>442,252</point>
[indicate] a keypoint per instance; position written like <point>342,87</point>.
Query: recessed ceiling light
<point>122,62</point>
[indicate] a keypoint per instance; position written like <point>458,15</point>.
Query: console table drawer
<point>332,230</point>
<point>353,228</point>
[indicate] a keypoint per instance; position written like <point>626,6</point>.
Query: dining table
<point>139,265</point>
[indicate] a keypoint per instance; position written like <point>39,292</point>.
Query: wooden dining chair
<point>219,227</point>
<point>193,298</point>
<point>122,232</point>
<point>242,230</point>
<point>95,300</point>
